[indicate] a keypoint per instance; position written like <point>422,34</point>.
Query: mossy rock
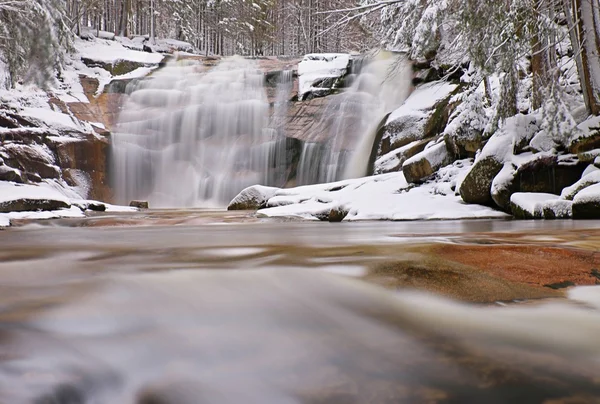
<point>476,186</point>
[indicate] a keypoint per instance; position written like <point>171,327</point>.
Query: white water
<point>188,138</point>
<point>351,119</point>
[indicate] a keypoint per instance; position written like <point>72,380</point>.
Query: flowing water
<point>194,137</point>
<point>379,84</point>
<point>200,307</point>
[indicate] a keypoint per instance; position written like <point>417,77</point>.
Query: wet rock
<point>252,198</point>
<point>422,165</point>
<point>476,186</point>
<point>29,204</point>
<point>139,204</point>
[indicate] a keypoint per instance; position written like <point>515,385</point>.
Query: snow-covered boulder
<point>393,160</point>
<point>20,198</point>
<point>252,198</point>
<point>319,73</point>
<point>425,163</point>
<point>586,204</point>
<point>588,180</point>
<point>530,205</point>
<point>422,116</point>
<point>587,136</point>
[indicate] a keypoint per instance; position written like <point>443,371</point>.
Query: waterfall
<point>378,85</point>
<point>191,138</point>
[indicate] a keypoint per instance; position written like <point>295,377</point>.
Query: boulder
<point>320,73</point>
<point>10,174</point>
<point>139,204</point>
<point>586,204</point>
<point>530,205</point>
<point>337,214</point>
<point>476,186</point>
<point>252,198</point>
<point>557,209</point>
<point>424,164</point>
<point>590,179</point>
<point>393,161</point>
<point>31,204</point>
<point>587,137</point>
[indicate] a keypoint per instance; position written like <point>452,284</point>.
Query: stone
<point>586,204</point>
<point>557,209</point>
<point>570,192</point>
<point>476,186</point>
<point>465,145</point>
<point>337,214</point>
<point>252,198</point>
<point>139,204</point>
<point>529,205</point>
<point>424,164</point>
<point>585,143</point>
<point>10,174</point>
<point>29,204</point>
<point>393,161</point>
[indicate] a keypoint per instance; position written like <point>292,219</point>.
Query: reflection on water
<point>174,315</point>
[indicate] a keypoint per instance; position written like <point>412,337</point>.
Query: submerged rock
<point>252,198</point>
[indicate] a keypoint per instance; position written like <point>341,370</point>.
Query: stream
<point>199,306</point>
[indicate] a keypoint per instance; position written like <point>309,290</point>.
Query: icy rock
<point>530,205</point>
<point>424,164</point>
<point>252,198</point>
<point>586,204</point>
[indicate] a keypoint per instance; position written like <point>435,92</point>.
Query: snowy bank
<point>380,197</point>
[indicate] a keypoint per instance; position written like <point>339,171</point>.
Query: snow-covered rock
<point>252,198</point>
<point>318,73</point>
<point>586,204</point>
<point>530,205</point>
<point>380,197</point>
<point>425,163</point>
<point>590,179</point>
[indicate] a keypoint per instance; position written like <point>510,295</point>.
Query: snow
<point>11,191</point>
<point>381,197</point>
<point>589,194</point>
<point>48,117</point>
<point>317,66</point>
<point>111,51</point>
<point>586,180</point>
<point>435,154</point>
<point>532,202</point>
<point>423,98</point>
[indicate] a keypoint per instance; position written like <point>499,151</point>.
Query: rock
<point>320,73</point>
<point>588,156</point>
<point>424,164</point>
<point>466,145</point>
<point>586,204</point>
<point>393,161</point>
<point>590,179</point>
<point>31,204</point>
<point>585,143</point>
<point>139,204</point>
<point>476,186</point>
<point>252,198</point>
<point>116,68</point>
<point>10,174</point>
<point>541,174</point>
<point>557,209</point>
<point>529,205</point>
<point>337,214</point>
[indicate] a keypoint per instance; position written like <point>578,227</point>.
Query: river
<point>194,306</point>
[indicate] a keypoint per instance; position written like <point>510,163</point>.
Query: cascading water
<point>377,86</point>
<point>189,138</point>
<point>192,137</point>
